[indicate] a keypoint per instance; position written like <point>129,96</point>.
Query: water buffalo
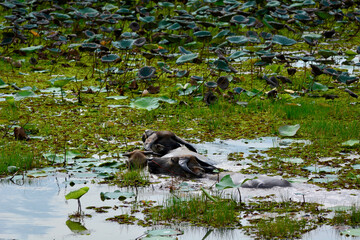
<point>162,142</point>
<point>185,163</point>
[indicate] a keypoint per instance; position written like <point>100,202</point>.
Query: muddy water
<point>37,209</point>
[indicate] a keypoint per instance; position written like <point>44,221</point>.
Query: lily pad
<point>117,97</point>
<point>163,232</point>
<point>289,130</point>
<point>117,194</point>
<point>292,160</point>
<point>350,143</point>
<point>318,169</point>
<point>147,103</point>
<point>61,81</point>
<point>352,232</point>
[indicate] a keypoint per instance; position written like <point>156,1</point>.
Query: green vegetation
<point>132,178</point>
<point>350,217</point>
<point>283,227</point>
<point>19,155</point>
<point>87,78</point>
<point>198,210</point>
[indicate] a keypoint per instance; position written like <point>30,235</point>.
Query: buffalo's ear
<point>128,154</point>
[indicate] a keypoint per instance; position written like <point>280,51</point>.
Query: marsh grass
<point>351,217</point>
<point>327,120</point>
<point>198,210</point>
<point>340,130</point>
<point>281,227</point>
<point>133,178</point>
<point>17,154</point>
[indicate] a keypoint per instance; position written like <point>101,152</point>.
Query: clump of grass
<point>18,155</point>
<point>351,217</point>
<point>133,178</point>
<point>281,227</point>
<point>199,211</point>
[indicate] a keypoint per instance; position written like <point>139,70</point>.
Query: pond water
<point>35,208</point>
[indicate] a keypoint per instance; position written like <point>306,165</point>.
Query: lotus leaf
<point>109,58</point>
<point>203,34</point>
<point>173,27</point>
<point>90,46</point>
<point>302,17</point>
<point>318,86</point>
<point>282,40</point>
<point>24,94</point>
<point>147,103</point>
<point>221,65</point>
<point>351,143</point>
<point>32,48</point>
<point>166,4</point>
<point>163,232</point>
<point>292,160</point>
<point>240,19</point>
<point>249,4</point>
<point>221,34</point>
<point>211,84</point>
<point>352,232</point>
<point>146,72</point>
<point>184,51</point>
<point>158,238</point>
<point>226,182</point>
<point>238,90</point>
<point>289,130</point>
<point>327,53</point>
<point>60,16</point>
<point>273,4</point>
<point>182,73</point>
<point>12,169</point>
<point>124,44</point>
<point>77,193</point>
<point>223,82</point>
<point>237,39</point>
<point>147,19</point>
<point>109,7</point>
<point>186,58</point>
<point>61,81</point>
<point>237,54</point>
<point>116,195</point>
<point>88,11</point>
<point>166,99</point>
<point>117,97</point>
<point>3,84</point>
<point>312,36</point>
<point>140,42</point>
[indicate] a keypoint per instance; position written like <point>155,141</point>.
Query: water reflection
<point>37,209</point>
